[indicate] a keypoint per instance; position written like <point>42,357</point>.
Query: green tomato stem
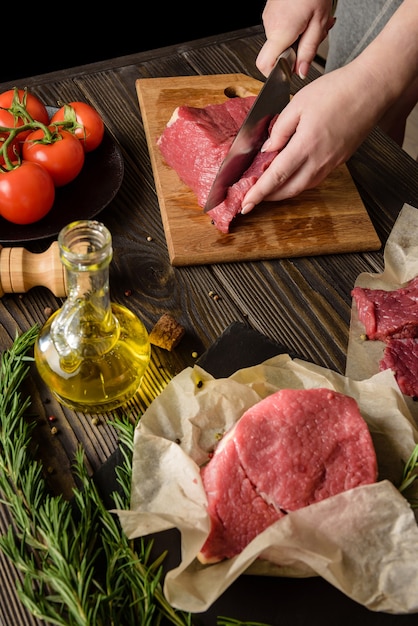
<point>49,137</point>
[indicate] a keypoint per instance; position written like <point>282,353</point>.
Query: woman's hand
<point>285,21</point>
<point>319,129</point>
<point>327,120</point>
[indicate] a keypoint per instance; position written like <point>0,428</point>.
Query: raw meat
<point>196,141</point>
<point>294,448</point>
<point>401,356</point>
<point>392,317</point>
<point>229,505</point>
<point>388,313</point>
<point>223,214</point>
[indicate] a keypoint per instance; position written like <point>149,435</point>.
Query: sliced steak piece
<point>401,356</point>
<point>223,214</point>
<point>294,448</point>
<point>196,141</point>
<point>388,313</point>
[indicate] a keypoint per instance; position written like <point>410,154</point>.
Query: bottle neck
<point>91,287</point>
<point>85,326</point>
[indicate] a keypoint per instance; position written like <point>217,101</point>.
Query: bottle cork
<point>20,270</point>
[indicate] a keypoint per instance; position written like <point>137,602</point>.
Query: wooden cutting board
<point>326,220</point>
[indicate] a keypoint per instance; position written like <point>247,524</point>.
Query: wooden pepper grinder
<point>20,270</point>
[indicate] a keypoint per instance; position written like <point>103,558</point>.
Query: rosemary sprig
<point>78,568</point>
<point>409,474</point>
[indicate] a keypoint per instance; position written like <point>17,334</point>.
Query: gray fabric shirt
<point>358,23</point>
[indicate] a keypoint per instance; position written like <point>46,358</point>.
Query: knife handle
<point>287,61</point>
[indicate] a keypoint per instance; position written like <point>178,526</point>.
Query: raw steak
<point>196,141</point>
<point>230,502</point>
<point>388,313</point>
<point>401,356</point>
<point>294,448</point>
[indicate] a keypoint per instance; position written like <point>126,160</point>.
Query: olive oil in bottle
<point>91,353</point>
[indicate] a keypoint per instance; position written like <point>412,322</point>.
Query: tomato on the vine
<point>88,126</point>
<point>27,193</point>
<point>31,103</point>
<point>62,155</point>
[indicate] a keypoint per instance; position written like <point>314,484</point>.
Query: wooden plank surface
<point>329,219</point>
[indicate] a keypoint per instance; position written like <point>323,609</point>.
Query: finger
<point>277,181</point>
<point>309,42</point>
<point>270,51</point>
<point>283,128</point>
<point>281,132</point>
<point>305,177</point>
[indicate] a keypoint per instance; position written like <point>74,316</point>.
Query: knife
<point>271,100</point>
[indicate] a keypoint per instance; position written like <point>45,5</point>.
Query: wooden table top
<point>302,303</point>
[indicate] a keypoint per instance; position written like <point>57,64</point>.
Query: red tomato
<point>34,107</point>
<point>88,125</point>
<point>7,120</point>
<point>12,150</point>
<point>63,157</point>
<point>27,193</point>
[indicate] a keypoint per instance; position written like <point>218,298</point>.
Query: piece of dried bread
<point>167,332</point>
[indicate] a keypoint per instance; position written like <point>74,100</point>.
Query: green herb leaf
<point>410,474</point>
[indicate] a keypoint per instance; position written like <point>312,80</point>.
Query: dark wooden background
<point>61,37</point>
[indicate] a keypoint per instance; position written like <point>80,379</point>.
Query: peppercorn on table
<point>301,303</point>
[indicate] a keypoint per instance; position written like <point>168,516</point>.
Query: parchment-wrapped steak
<point>292,449</point>
<point>196,141</point>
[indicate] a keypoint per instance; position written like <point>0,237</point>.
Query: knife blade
<point>273,97</point>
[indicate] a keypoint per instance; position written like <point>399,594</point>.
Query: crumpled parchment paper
<point>363,541</point>
<point>400,266</point>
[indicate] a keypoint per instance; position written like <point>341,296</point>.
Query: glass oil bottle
<point>92,353</point>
